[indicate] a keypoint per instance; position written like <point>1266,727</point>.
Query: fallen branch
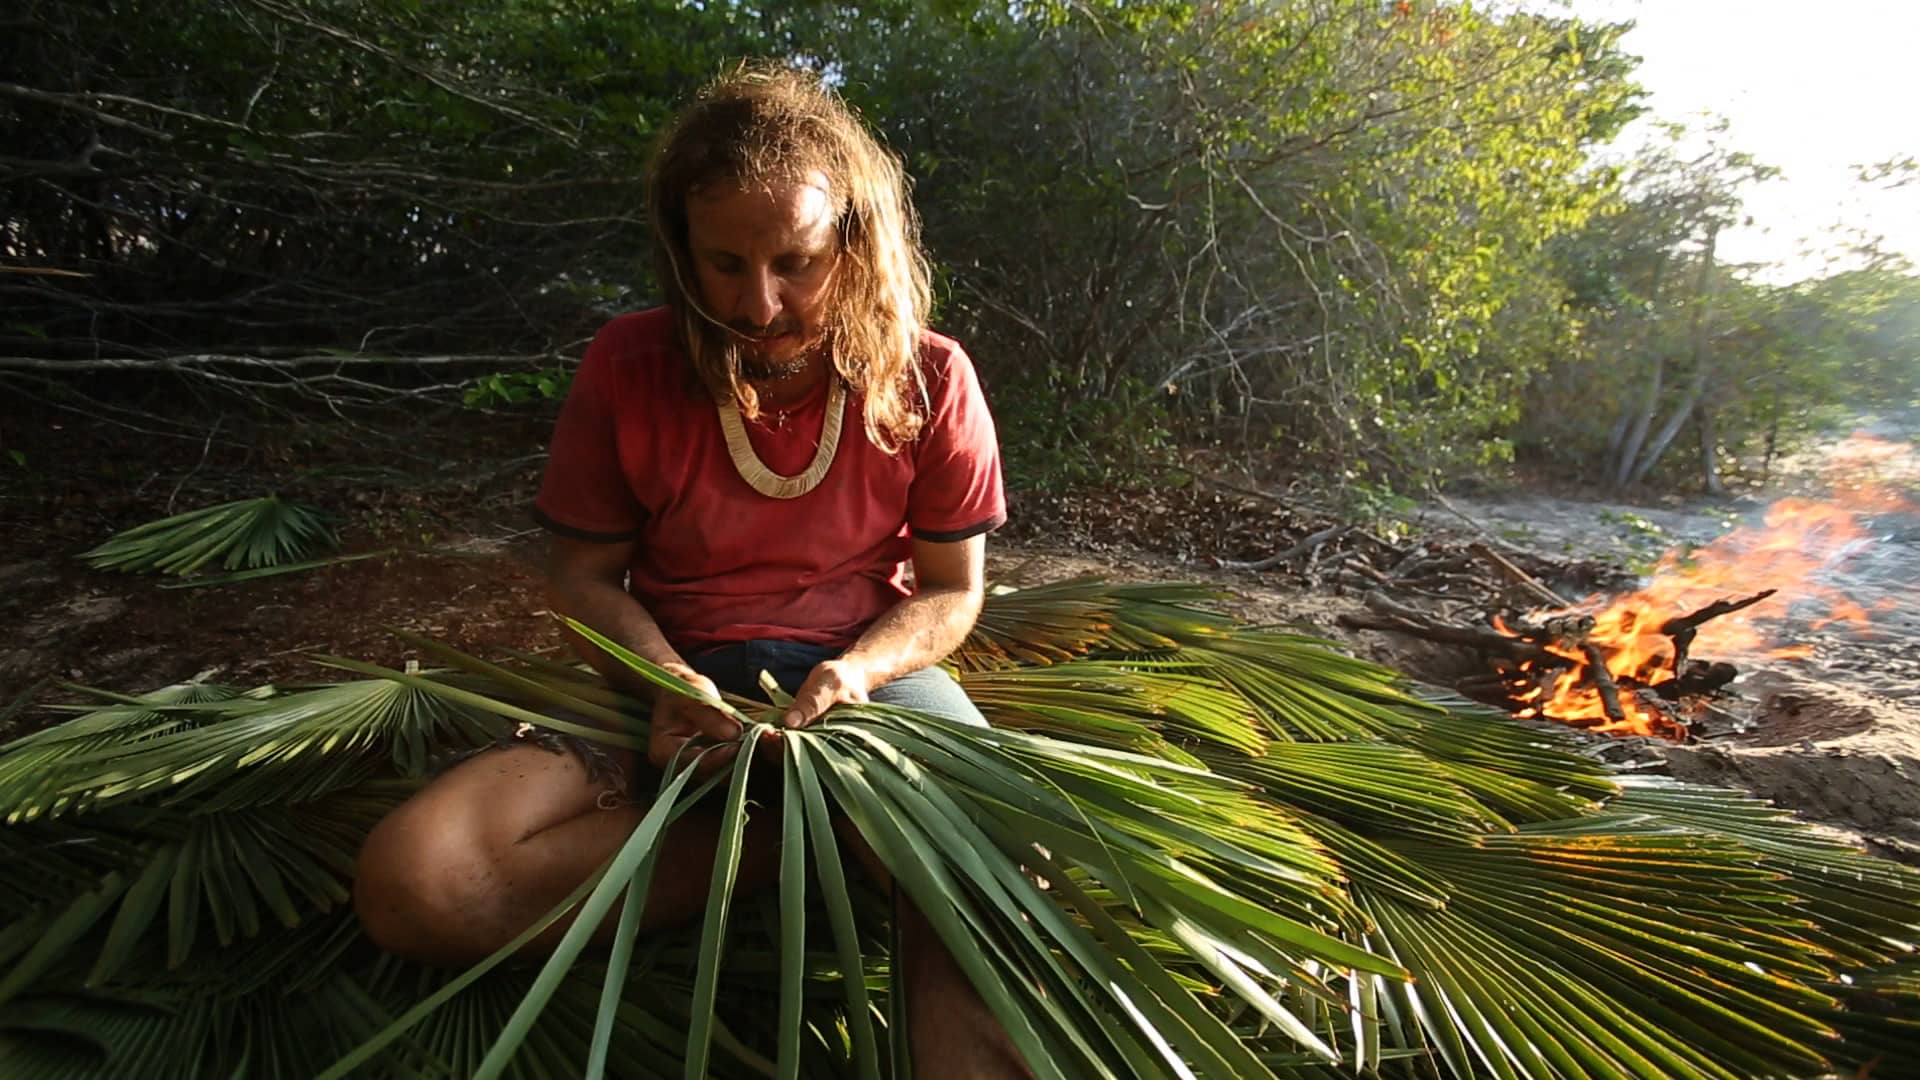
<point>1447,505</point>
<point>1516,575</point>
<point>1309,544</point>
<point>197,360</point>
<point>1404,620</point>
<point>1301,507</point>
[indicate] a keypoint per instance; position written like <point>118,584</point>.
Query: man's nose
<point>760,300</point>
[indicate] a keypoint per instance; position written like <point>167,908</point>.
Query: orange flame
<point>1800,541</point>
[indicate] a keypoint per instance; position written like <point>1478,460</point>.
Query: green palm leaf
<point>241,750</point>
<point>177,869</point>
<point>33,768</point>
<point>245,534</point>
<point>1187,847</point>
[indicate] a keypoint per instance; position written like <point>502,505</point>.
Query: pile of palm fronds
<point>1188,848</point>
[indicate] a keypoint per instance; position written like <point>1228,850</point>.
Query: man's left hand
<point>832,682</point>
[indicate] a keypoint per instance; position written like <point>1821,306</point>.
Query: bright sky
<point>1814,89</point>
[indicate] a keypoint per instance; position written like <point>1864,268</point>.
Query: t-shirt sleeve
<point>584,493</point>
<point>957,491</point>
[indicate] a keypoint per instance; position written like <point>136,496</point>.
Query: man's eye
<point>795,265</point>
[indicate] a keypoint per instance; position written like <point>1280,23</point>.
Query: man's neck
<point>792,389</point>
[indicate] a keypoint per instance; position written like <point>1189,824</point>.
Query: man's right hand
<point>678,719</point>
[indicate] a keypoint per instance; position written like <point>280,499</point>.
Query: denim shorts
<point>736,669</point>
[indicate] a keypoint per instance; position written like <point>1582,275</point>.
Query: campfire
<point>1653,661</point>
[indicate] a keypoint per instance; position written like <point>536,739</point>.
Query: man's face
<point>763,259</point>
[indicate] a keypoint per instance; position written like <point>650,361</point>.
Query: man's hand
<point>830,683</point>
<point>678,719</point>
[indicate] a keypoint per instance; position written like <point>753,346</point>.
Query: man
<point>736,483</point>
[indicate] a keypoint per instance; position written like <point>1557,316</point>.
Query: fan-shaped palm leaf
<point>1213,852</point>
<point>241,750</point>
<point>242,535</point>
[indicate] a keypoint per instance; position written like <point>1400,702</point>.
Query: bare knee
<point>449,876</point>
<point>419,880</point>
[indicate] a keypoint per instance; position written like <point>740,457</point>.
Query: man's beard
<point>756,369</point>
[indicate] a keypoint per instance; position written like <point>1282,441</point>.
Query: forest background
<point>1372,244</point>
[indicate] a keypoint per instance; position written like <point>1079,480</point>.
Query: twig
<point>1298,506</point>
<point>1447,505</point>
<point>1382,543</point>
<point>1367,570</point>
<point>1310,543</point>
<point>196,360</point>
<point>1516,575</point>
<point>204,447</point>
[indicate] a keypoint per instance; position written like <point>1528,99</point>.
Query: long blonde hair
<point>766,123</point>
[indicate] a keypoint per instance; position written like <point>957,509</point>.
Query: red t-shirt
<point>638,454</point>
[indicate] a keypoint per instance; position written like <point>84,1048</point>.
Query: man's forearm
<point>918,632</point>
<point>614,612</point>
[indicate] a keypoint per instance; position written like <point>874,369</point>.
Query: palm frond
<point>176,869</point>
<point>266,1006</point>
<point>1300,689</point>
<point>961,837</point>
<point>275,570</point>
<point>242,535</point>
<point>233,751</point>
<point>1187,848</point>
<point>32,767</point>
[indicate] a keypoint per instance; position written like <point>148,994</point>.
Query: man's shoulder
<point>648,331</point>
<point>635,353</point>
<point>941,356</point>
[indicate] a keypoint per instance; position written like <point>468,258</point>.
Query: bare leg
<point>481,853</point>
<point>955,1036</point>
<point>952,1032</point>
<point>478,855</point>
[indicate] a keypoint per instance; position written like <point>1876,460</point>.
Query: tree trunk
<point>1773,443</point>
<point>1623,467</point>
<point>1709,453</point>
<point>1620,465</point>
<point>1651,455</point>
<point>1616,435</point>
<point>1702,364</point>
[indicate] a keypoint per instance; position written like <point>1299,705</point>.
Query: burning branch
<point>1683,628</point>
<point>1574,668</point>
<point>1403,619</point>
<point>1603,681</point>
<point>1683,623</point>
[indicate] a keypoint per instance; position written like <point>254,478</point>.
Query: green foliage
<point>1373,501</point>
<point>394,176</point>
<point>1305,218</point>
<point>1663,338</point>
<point>1367,234</point>
<point>1053,438</point>
<point>517,387</point>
